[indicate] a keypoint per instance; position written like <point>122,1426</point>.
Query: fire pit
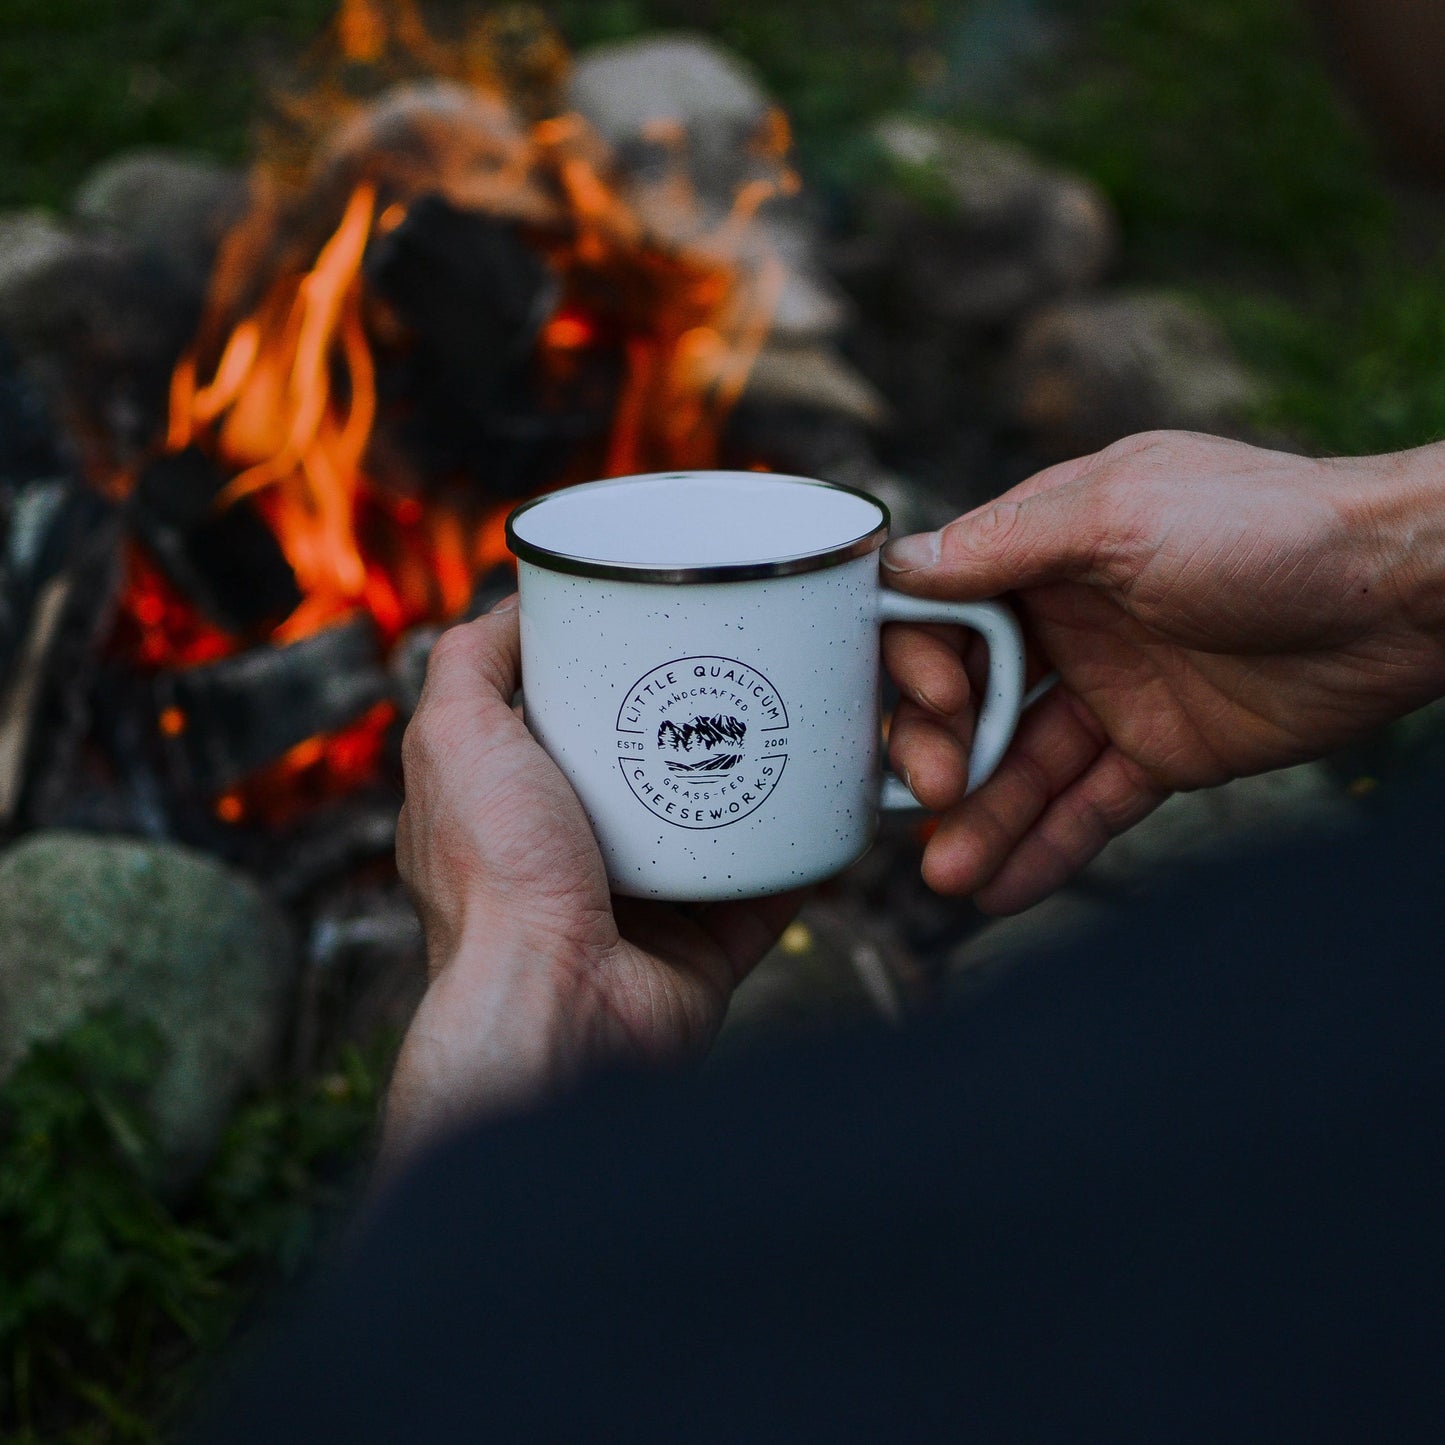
<point>438,298</point>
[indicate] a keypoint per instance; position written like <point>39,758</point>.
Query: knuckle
<point>1060,858</point>
<point>1031,778</point>
<point>422,746</point>
<point>448,650</point>
<point>1144,443</point>
<point>993,530</point>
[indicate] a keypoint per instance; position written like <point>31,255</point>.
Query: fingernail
<point>909,554</point>
<point>507,604</point>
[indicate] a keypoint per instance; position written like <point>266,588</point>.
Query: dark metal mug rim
<point>553,561</point>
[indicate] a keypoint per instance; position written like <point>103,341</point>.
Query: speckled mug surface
<point>700,657</point>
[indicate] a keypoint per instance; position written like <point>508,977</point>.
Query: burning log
<point>229,718</point>
<point>226,561</point>
<point>447,294</point>
<point>473,297</point>
<point>331,842</point>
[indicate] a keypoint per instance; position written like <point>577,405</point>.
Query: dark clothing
<point>1180,1182</point>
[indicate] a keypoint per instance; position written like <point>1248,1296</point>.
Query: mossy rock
<point>165,935</point>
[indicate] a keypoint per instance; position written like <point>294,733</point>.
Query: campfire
<point>249,473</point>
<point>441,297</point>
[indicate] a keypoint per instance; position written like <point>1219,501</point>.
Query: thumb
<point>1017,541</point>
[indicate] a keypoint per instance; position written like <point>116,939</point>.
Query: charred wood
<point>246,711</point>
<point>333,841</point>
<point>224,560</point>
<point>409,657</point>
<point>72,616</point>
<point>29,448</point>
<point>471,295</point>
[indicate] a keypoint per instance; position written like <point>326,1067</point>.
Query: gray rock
<point>682,98</point>
<point>816,378</point>
<point>174,204</point>
<point>811,308</point>
<point>30,241</point>
<point>167,936</point>
<point>628,90</point>
<point>467,141</point>
<point>973,232</point>
<point>1086,372</point>
<point>37,256</point>
<point>99,328</point>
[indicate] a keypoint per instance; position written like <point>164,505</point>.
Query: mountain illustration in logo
<point>715,739</point>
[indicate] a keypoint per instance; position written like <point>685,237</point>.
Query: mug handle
<point>1003,698</point>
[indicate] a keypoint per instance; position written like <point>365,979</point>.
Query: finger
<point>926,664</point>
<point>485,652</point>
<point>1109,799</point>
<point>465,710</point>
<point>930,754</point>
<point>1056,743</point>
<point>1058,534</point>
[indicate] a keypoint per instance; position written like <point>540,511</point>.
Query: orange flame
<point>280,385</point>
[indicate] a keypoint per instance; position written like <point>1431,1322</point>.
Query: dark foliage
<point>110,1302</point>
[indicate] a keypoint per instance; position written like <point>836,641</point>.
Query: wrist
<point>493,1033</point>
<point>1399,501</point>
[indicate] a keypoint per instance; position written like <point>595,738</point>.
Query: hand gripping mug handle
<point>1004,694</point>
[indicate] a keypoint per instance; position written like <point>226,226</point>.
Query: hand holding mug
<point>1214,610</point>
<point>537,974</point>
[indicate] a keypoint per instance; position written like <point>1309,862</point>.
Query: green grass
<point>82,79</point>
<point>1360,371</point>
<point>1214,128</point>
<point>1239,175</point>
<point>112,1304</point>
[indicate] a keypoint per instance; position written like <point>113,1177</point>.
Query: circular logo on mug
<point>702,741</point>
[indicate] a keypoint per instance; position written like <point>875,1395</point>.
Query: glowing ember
<point>280,388</point>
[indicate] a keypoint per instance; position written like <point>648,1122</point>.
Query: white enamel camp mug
<point>700,657</point>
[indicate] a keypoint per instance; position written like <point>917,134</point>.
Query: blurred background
<point>1005,231</point>
<point>1217,130</point>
